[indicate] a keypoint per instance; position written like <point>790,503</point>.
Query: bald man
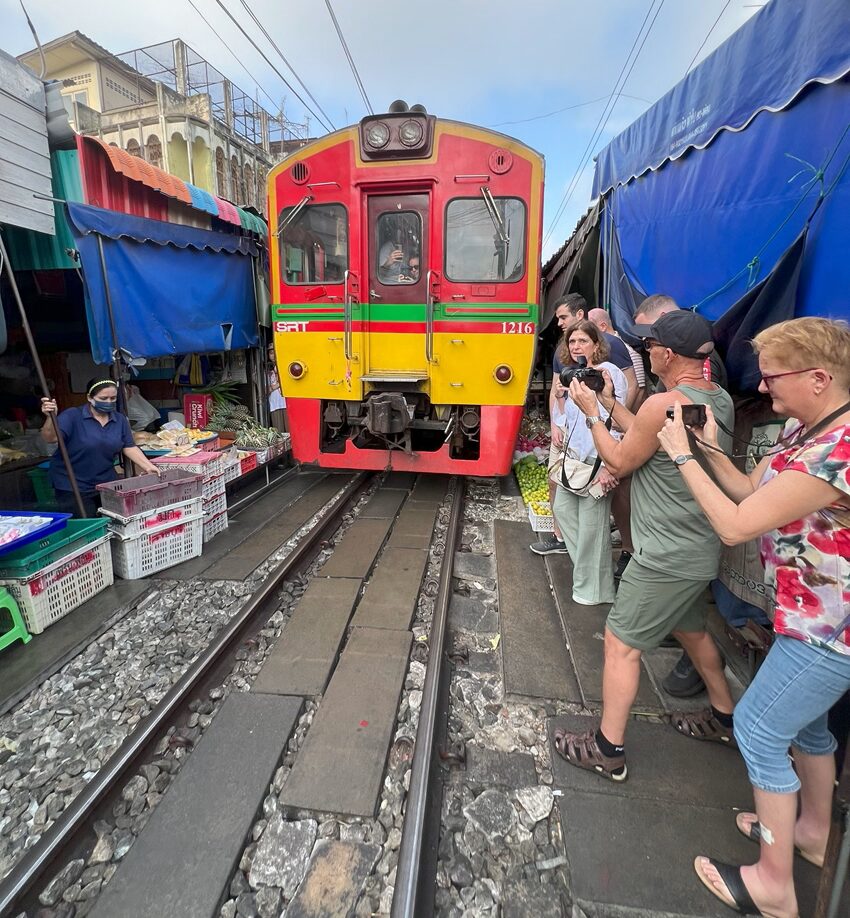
<point>637,393</point>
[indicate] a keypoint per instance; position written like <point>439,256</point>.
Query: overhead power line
<point>264,56</point>
<point>227,47</point>
<point>708,35</point>
<point>566,108</point>
<point>351,63</point>
<point>274,44</point>
<point>616,92</point>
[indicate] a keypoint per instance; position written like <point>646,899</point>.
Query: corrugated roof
<point>140,171</point>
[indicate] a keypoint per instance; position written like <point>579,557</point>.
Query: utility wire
<point>351,63</point>
<point>708,35</point>
<point>209,25</point>
<point>567,108</point>
<point>262,54</point>
<point>619,85</point>
<point>274,44</point>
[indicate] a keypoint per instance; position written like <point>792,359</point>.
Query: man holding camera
<point>676,551</point>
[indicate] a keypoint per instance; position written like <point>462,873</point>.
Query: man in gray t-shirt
<point>676,550</point>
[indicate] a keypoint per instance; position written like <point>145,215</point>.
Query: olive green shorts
<point>651,604</point>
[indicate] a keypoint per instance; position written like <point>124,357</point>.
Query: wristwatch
<point>593,419</point>
<point>681,460</point>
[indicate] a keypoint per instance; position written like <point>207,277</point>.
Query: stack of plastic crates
<point>51,577</point>
<point>212,466</point>
<point>156,521</point>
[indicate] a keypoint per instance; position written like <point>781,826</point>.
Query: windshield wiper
<point>498,223</point>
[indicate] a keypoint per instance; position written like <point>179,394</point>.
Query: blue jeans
<point>787,705</point>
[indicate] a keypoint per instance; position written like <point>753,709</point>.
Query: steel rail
<point>413,833</point>
<point>35,862</point>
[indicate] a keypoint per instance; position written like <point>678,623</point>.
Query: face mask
<point>103,407</point>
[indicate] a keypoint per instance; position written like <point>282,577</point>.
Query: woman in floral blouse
<point>797,501</point>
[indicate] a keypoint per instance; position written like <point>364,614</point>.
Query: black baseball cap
<point>684,332</point>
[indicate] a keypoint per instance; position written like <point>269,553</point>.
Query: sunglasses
<point>650,343</point>
<point>771,376</point>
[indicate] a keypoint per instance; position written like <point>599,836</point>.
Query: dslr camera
<point>692,415</point>
<point>590,376</point>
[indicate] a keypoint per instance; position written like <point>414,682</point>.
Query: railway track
<point>69,841</point>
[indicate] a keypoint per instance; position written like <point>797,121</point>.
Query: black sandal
<point>731,876</point>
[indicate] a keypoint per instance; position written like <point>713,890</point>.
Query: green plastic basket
<point>29,560</point>
<point>44,494</point>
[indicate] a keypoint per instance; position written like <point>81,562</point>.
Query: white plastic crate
<point>540,522</point>
<point>154,520</point>
<point>215,505</point>
<point>58,589</point>
<point>154,551</point>
<point>214,525</point>
<point>214,486</point>
<point>201,463</point>
<point>232,471</point>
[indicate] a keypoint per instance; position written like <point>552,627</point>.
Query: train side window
<point>314,245</point>
<point>398,236</point>
<point>482,245</point>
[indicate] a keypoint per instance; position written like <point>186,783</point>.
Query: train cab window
<point>314,244</point>
<point>485,239</point>
<point>399,247</point>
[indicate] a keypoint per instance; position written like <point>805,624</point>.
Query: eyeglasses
<point>771,376</point>
<point>650,343</point>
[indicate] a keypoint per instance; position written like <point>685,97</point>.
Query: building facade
<point>168,106</point>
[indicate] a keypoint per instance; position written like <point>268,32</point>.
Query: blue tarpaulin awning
<point>706,193</point>
<point>174,289</point>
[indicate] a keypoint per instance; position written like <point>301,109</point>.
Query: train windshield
<point>399,247</point>
<point>485,239</point>
<point>314,244</point>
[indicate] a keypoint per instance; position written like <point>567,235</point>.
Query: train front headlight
<point>410,133</point>
<point>377,135</point>
<point>503,374</point>
<point>296,370</point>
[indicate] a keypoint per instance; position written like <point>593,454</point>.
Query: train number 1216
<point>518,328</point>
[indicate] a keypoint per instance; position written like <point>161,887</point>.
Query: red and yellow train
<point>405,280</point>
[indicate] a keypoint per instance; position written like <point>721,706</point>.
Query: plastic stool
<point>18,629</point>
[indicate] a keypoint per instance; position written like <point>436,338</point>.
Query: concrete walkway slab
<point>302,660</point>
<point>334,880</point>
<point>414,526</point>
<point>391,594</point>
<point>585,630</point>
<point>26,666</point>
<point>400,481</point>
<point>536,663</point>
<point>182,861</point>
<point>634,857</point>
<point>663,765</point>
<point>242,560</point>
<point>340,767</point>
<point>431,488</point>
<point>384,504</point>
<point>356,553</point>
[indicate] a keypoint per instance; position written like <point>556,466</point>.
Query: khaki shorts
<point>555,451</point>
<point>651,604</point>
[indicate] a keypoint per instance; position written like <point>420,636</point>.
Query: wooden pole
<point>60,440</point>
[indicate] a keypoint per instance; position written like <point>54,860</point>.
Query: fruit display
<point>533,484</point>
<point>228,416</point>
<point>251,435</point>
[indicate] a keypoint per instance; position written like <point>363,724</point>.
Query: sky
<point>494,63</point>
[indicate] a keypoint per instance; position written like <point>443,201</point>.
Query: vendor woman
<point>94,434</point>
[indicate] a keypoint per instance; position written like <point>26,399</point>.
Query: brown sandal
<point>703,725</point>
<point>582,750</point>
